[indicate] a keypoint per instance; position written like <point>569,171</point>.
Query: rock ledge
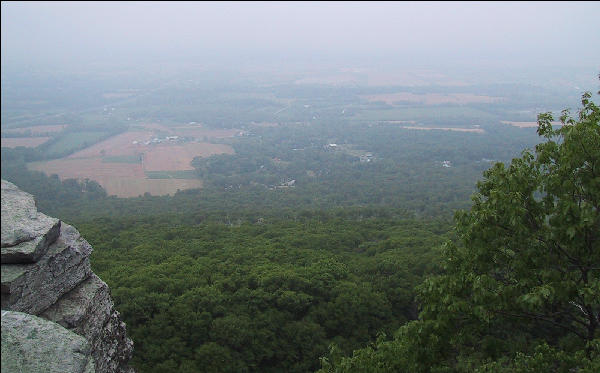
<point>46,272</point>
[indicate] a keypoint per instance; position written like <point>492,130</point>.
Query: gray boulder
<point>32,344</point>
<point>88,310</point>
<point>32,288</point>
<point>46,272</point>
<point>26,233</point>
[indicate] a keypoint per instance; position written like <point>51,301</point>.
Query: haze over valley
<point>268,186</point>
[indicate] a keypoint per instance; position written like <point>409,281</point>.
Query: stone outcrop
<point>32,344</point>
<point>26,233</point>
<point>33,287</point>
<point>46,272</point>
<point>89,311</point>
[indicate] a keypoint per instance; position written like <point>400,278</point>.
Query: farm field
<point>140,161</point>
<point>28,142</point>
<point>118,145</point>
<point>74,140</point>
<point>37,130</point>
<point>476,130</point>
<point>91,168</point>
<point>185,174</point>
<point>432,98</point>
<point>164,156</point>
<point>167,157</point>
<point>126,187</point>
<point>425,114</point>
<point>197,131</point>
<point>120,179</point>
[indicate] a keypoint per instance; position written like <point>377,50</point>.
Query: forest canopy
<point>520,287</point>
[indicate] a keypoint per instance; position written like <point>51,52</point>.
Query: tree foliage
<point>262,297</point>
<point>521,284</point>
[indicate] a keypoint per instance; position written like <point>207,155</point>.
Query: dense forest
<point>260,297</point>
<point>301,256</point>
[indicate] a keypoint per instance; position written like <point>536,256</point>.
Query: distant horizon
<point>237,35</point>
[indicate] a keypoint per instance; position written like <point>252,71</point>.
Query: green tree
<point>520,289</point>
<point>529,248</point>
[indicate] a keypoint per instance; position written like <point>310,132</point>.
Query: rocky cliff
<point>46,275</point>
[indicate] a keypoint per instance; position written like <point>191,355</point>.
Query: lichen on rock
<point>46,272</point>
<point>32,344</point>
<point>26,233</point>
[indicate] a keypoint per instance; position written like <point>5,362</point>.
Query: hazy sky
<point>529,33</point>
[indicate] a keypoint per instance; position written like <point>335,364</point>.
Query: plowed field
<point>28,142</point>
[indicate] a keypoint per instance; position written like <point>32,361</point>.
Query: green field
<point>185,174</point>
<point>425,114</point>
<point>136,158</point>
<point>70,142</point>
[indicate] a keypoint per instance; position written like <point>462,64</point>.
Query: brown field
<point>132,187</point>
<point>432,98</point>
<point>166,156</point>
<point>28,142</point>
<point>120,179</point>
<point>129,179</point>
<point>193,130</point>
<point>117,145</point>
<point>36,130</point>
<point>175,157</point>
<point>527,124</point>
<point>92,168</point>
<point>476,130</point>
